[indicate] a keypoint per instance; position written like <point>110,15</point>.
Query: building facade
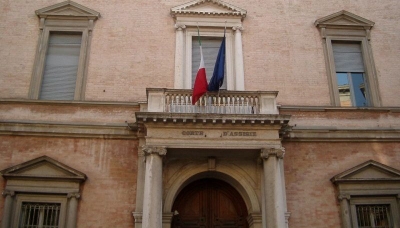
<point>97,128</point>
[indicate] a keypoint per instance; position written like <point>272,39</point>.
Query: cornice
<point>230,10</point>
<point>343,18</point>
<point>75,130</point>
<point>338,109</point>
<point>263,119</point>
<point>331,134</point>
<point>68,103</point>
<point>68,9</point>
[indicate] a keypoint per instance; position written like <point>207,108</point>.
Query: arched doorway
<point>209,203</point>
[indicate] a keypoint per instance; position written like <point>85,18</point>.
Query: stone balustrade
<point>222,102</point>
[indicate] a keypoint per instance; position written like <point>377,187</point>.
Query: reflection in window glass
<point>352,91</point>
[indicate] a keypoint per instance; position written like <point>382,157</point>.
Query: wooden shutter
<point>210,47</point>
<point>61,66</point>
<point>348,57</point>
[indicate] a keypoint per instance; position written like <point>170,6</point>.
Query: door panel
<point>209,203</point>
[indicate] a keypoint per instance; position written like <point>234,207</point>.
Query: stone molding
<point>138,216</point>
<point>238,28</point>
<point>75,195</point>
<point>67,9</point>
<point>344,197</point>
<point>217,8</point>
<point>180,27</point>
<point>162,151</point>
<point>254,218</point>
<point>66,130</point>
<point>269,152</point>
<point>7,192</point>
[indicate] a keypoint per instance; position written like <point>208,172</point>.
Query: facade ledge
<point>115,131</point>
<point>338,109</point>
<point>69,103</point>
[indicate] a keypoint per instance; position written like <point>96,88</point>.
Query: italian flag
<point>200,84</point>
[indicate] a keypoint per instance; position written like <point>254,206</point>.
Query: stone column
<point>152,202</point>
<point>72,209</point>
<point>8,204</point>
<point>275,205</point>
<point>345,210</point>
<point>239,69</point>
<point>179,53</point>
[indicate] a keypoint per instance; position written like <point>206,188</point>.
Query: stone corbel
<point>276,152</point>
<point>137,216</point>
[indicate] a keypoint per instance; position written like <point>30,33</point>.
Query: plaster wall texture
<point>108,194</point>
<point>311,196</point>
<point>133,47</point>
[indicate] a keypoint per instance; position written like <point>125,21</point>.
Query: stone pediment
<point>42,168</point>
<point>208,7</point>
<point>68,9</point>
<point>368,171</point>
<point>344,18</point>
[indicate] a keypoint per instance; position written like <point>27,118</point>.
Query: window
<point>349,62</point>
<point>62,54</point>
<point>61,66</point>
<point>41,193</point>
<point>210,46</point>
<point>211,17</point>
<point>40,211</point>
<point>368,195</point>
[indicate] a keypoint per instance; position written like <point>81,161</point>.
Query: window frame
<point>37,198</point>
<point>373,200</point>
<point>63,17</point>
<point>209,32</point>
<point>347,27</point>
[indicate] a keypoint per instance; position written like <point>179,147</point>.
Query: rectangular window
<point>210,46</point>
<point>374,216</point>
<point>39,215</point>
<point>350,73</point>
<point>61,66</point>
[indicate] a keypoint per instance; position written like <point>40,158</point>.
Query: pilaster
<point>345,210</point>
<point>274,203</point>
<point>179,54</point>
<point>239,68</point>
<point>152,202</point>
<point>8,204</point>
<point>72,209</point>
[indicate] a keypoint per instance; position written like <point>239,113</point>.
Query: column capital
<point>268,152</point>
<point>76,195</point>
<point>180,27</point>
<point>6,193</point>
<point>343,197</point>
<point>238,28</point>
<point>162,151</point>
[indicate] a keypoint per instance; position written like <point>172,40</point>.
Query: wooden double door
<point>209,203</point>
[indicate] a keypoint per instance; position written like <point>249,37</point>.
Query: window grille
<point>374,216</point>
<point>39,215</point>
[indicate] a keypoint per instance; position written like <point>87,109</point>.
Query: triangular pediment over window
<point>368,171</point>
<point>344,18</point>
<point>68,9</point>
<point>43,168</point>
<point>208,7</point>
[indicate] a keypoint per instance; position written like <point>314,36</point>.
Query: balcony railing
<point>223,102</point>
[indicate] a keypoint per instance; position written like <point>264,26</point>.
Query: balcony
<point>223,102</point>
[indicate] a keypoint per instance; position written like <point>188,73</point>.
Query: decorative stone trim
<point>75,195</point>
<point>238,28</point>
<point>162,151</point>
<point>268,152</point>
<point>137,216</point>
<point>254,218</point>
<point>6,193</point>
<point>180,27</point>
<point>186,9</point>
<point>343,197</point>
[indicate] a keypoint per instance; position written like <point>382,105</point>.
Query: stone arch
<point>226,172</point>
